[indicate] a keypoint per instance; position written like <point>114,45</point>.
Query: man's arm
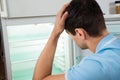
<point>43,67</point>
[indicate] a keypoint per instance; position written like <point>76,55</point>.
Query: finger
<point>64,7</point>
<point>65,15</point>
<point>60,13</point>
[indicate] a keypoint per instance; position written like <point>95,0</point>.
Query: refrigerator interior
<point>25,45</point>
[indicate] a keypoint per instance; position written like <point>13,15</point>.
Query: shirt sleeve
<point>88,69</point>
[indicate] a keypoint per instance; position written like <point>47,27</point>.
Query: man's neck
<point>93,42</point>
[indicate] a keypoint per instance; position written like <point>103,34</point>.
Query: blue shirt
<point>103,65</point>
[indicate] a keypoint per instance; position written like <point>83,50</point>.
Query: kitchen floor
<point>2,70</point>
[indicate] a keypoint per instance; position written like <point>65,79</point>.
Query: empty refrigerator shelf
<point>28,43</point>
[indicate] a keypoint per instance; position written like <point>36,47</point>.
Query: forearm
<point>43,67</point>
<point>44,64</point>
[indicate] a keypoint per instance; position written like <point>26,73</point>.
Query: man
<point>83,21</point>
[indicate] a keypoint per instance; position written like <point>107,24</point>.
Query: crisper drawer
<point>23,70</point>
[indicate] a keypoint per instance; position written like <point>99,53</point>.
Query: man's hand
<point>60,20</point>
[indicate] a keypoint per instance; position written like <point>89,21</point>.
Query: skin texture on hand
<point>60,20</point>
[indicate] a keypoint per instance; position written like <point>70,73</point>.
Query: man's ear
<point>80,33</point>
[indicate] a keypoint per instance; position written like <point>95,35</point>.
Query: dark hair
<point>85,14</point>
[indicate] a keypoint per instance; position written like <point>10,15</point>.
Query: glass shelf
<point>113,17</point>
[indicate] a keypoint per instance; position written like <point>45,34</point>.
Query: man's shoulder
<point>113,48</point>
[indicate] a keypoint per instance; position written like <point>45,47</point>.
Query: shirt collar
<point>104,41</point>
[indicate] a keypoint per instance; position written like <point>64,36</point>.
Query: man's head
<point>85,14</point>
<point>85,22</point>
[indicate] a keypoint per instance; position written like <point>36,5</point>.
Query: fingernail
<point>66,12</point>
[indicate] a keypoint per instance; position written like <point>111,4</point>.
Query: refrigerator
<point>24,41</point>
<point>26,29</point>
